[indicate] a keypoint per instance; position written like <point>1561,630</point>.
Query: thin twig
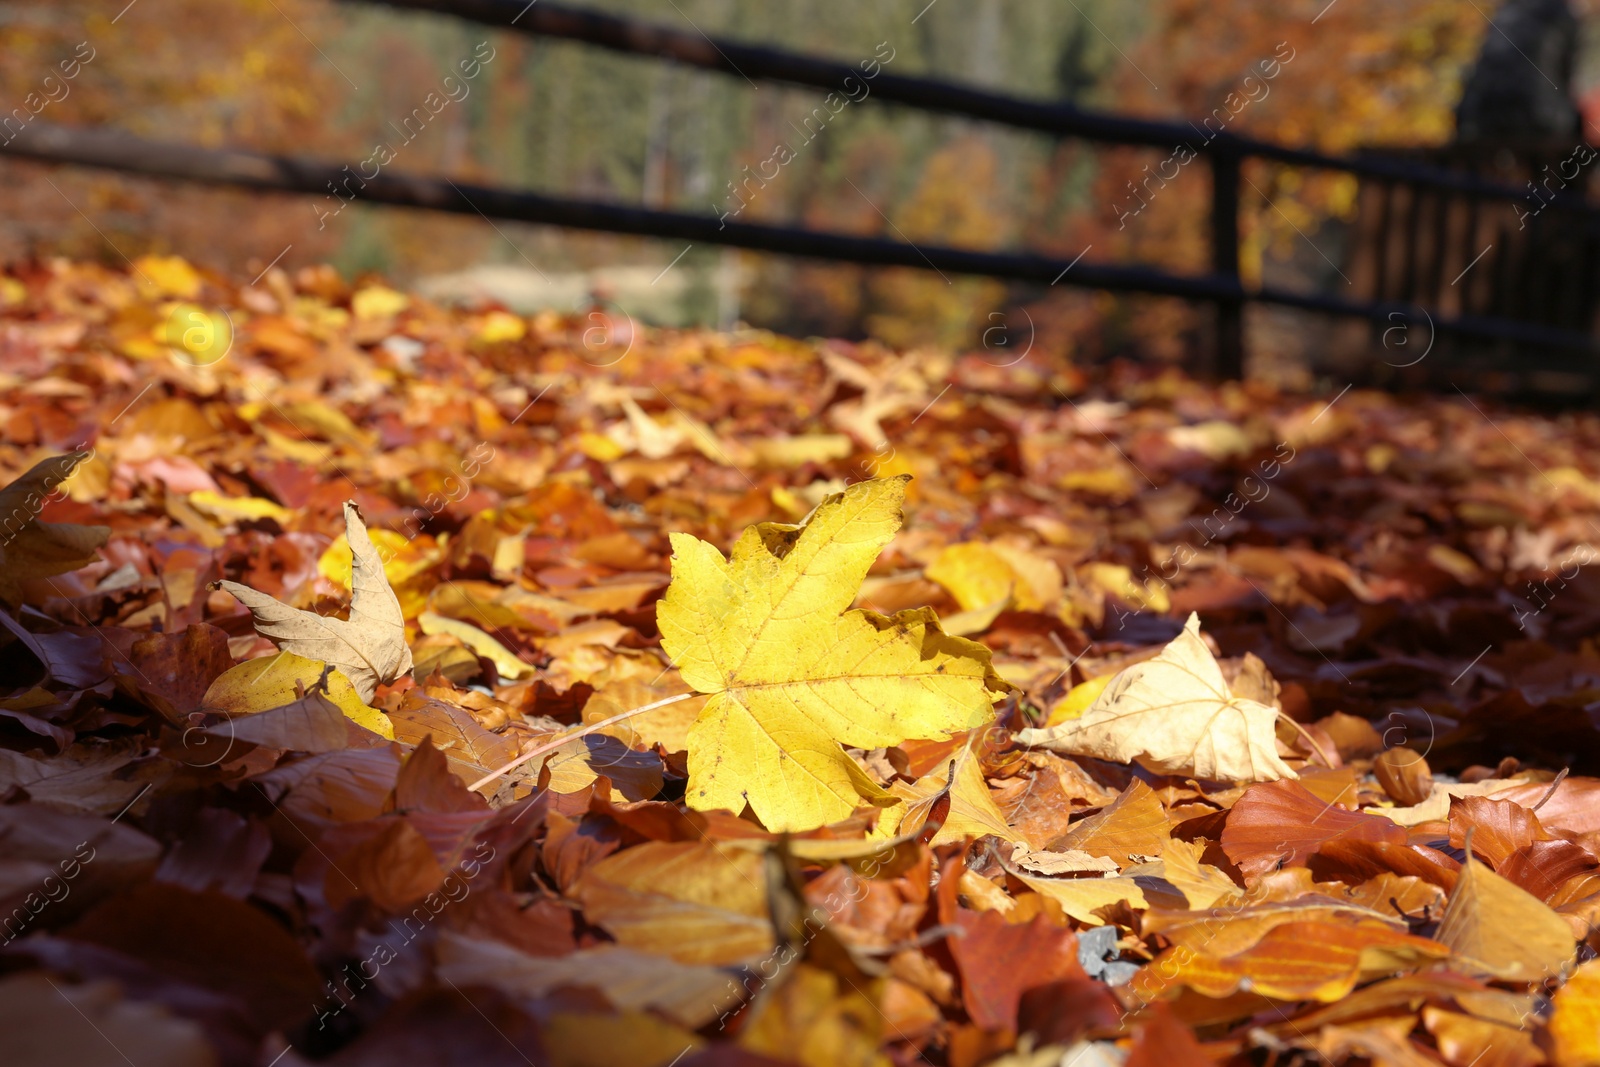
<point>1562,774</point>
<point>585,731</point>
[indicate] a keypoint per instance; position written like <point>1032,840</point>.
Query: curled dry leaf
<point>33,549</point>
<point>370,648</point>
<point>1404,775</point>
<point>792,673</point>
<point>1070,861</point>
<point>972,813</point>
<point>1175,715</point>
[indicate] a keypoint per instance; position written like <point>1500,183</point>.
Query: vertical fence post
<point>1227,360</point>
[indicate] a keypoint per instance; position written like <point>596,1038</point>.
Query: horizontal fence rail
<point>637,37</point>
<point>119,151</point>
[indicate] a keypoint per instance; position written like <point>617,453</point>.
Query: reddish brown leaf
<point>1499,828</point>
<point>1162,1041</point>
<point>1277,824</point>
<point>212,941</point>
<point>1000,961</point>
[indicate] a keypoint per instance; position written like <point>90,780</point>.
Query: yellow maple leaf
<point>792,674</point>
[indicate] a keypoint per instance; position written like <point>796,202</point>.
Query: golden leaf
<point>792,673</point>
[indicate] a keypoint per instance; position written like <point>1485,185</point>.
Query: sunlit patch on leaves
<point>792,673</point>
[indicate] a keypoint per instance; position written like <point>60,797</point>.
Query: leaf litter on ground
<point>733,699</point>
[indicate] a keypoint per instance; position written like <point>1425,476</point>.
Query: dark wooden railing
<point>1567,345</point>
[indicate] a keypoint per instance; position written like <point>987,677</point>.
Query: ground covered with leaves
<point>385,683</point>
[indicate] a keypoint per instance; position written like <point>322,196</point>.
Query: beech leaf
<point>1499,929</point>
<point>792,674</point>
<point>369,648</point>
<point>1175,715</point>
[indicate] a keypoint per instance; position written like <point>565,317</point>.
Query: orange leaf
<point>1277,824</point>
<point>1294,961</point>
<point>1575,1026</point>
<point>999,961</point>
<point>1135,825</point>
<point>1162,1041</point>
<point>1499,827</point>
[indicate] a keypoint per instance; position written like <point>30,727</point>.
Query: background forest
<point>338,80</point>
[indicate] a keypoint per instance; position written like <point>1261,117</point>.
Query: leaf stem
<point>550,746</point>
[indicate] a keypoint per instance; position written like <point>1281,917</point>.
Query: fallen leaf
<point>272,682</point>
<point>1465,1040</point>
<point>1000,961</point>
<point>1497,929</point>
<point>33,549</point>
<point>369,648</point>
<point>171,671</point>
<point>311,723</point>
<point>790,677</point>
<point>1082,898</point>
<point>691,901</point>
<point>88,779</point>
<point>1294,961</point>
<point>1575,1023</point>
<point>1176,715</point>
<point>483,644</point>
<point>577,764</point>
<point>1071,861</point>
<point>1162,1041</point>
<point>815,1021</point>
<point>1282,823</point>
<point>973,811</point>
<point>1132,827</point>
<point>56,1021</point>
<point>1203,885</point>
<point>688,994</point>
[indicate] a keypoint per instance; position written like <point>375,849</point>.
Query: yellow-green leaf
<point>263,684</point>
<point>479,641</point>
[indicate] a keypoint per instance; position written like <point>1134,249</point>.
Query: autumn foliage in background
<point>1127,719</point>
<point>557,117</point>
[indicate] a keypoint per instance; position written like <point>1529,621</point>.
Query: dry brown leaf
<point>1071,861</point>
<point>1175,715</point>
<point>370,648</point>
<point>691,995</point>
<point>33,549</point>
